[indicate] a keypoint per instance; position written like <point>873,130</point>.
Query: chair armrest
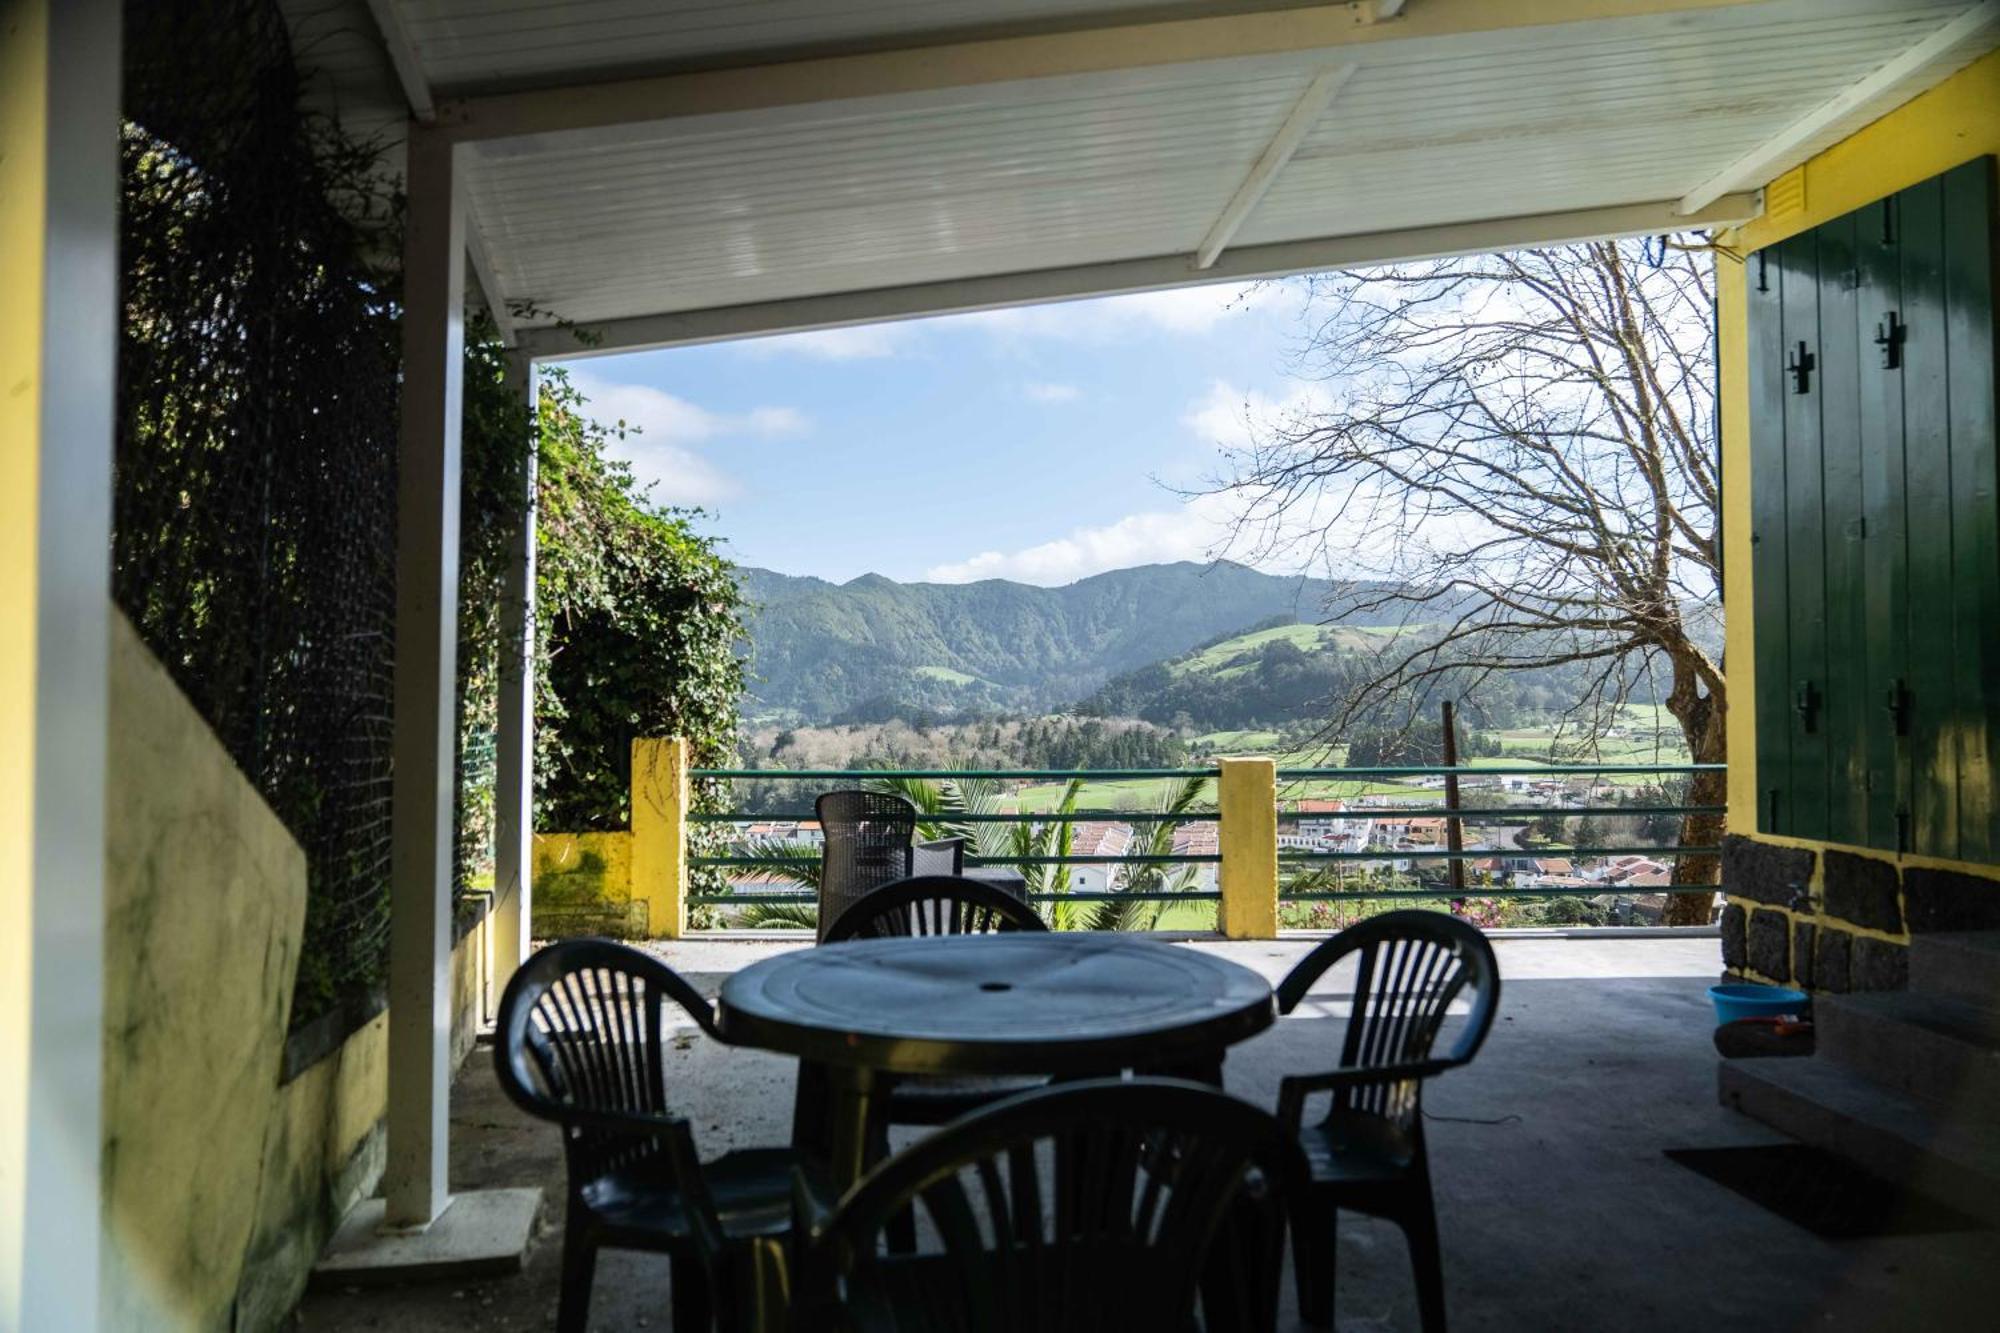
<point>813,1202</point>
<point>1293,1089</point>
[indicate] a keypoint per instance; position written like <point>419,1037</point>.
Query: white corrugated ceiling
<point>803,198</point>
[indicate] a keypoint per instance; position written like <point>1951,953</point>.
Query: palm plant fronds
<point>778,916</point>
<point>1057,837</point>
<point>789,862</point>
<point>1179,798</point>
<point>939,802</point>
<point>793,862</point>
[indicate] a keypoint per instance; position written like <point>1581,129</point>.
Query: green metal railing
<point>1291,778</point>
<point>859,777</point>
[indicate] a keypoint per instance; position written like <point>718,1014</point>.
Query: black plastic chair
<point>870,840</point>
<point>580,1041</point>
<point>933,905</point>
<point>1368,1153</point>
<point>1088,1206</point>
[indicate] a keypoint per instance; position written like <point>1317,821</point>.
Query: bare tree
<point>1521,450</point>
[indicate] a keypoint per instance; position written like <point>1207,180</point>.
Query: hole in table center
<point>996,986</point>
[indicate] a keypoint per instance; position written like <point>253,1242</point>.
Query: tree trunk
<point>1702,719</point>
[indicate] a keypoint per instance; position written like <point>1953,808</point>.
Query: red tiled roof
<point>1100,839</point>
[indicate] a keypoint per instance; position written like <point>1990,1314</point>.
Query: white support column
<point>426,672</point>
<point>514,784</point>
<point>59,88</point>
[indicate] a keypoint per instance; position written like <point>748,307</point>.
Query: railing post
<point>1248,801</point>
<point>1454,827</point>
<point>660,797</point>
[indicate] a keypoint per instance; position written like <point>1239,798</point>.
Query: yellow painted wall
<point>582,871</point>
<point>205,901</point>
<point>1953,122</point>
<point>220,1184</point>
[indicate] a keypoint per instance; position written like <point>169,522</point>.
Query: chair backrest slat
<point>933,905</point>
<point>1083,1206</point>
<point>1411,966</point>
<point>581,1030</point>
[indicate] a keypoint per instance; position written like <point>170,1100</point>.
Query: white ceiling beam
<point>1305,113</point>
<point>490,290</point>
<point>403,57</point>
<point>1132,275</point>
<point>409,67</point>
<point>1292,30</point>
<point>1881,92</point>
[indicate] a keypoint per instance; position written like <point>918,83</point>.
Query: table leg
<point>850,1095</point>
<point>809,1110</point>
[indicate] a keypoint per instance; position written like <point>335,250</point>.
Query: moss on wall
<point>221,1183</point>
<point>205,896</point>
<point>583,885</point>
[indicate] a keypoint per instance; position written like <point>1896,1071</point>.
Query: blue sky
<point>1039,444</point>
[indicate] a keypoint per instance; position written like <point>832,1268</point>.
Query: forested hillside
<point>1285,677</point>
<point>873,649</point>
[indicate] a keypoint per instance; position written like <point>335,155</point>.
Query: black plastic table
<point>1066,1005</point>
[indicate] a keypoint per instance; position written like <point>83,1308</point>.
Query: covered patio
<point>610,183</point>
<point>1556,1203</point>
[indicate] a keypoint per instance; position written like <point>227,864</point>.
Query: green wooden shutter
<point>1885,639</point>
<point>1875,517</point>
<point>1975,507</point>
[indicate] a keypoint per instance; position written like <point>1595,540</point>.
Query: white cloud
<point>1234,418</point>
<point>666,426</point>
<point>859,343</point>
<point>1192,532</point>
<point>1052,393</point>
<point>1182,310</point>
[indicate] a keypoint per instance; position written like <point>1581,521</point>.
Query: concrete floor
<point>1557,1208</point>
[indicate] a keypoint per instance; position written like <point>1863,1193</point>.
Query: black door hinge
<point>1889,336</point>
<point>1805,702</point>
<point>1800,368</point>
<point>1896,699</point>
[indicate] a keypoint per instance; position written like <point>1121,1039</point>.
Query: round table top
<point>1015,1002</point>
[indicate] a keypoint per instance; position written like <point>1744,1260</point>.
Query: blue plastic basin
<point>1747,1001</point>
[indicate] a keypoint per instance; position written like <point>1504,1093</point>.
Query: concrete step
<point>1961,965</point>
<point>1923,1045</point>
<point>1951,1154</point>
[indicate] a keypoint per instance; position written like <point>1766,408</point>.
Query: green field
<point>1188,916</point>
<point>945,674</point>
<point>1236,742</point>
<point>1137,794</point>
<point>1217,656</point>
<point>1223,660</point>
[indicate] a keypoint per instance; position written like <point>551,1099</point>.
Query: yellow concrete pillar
<point>660,798</point>
<point>58,363</point>
<point>1249,834</point>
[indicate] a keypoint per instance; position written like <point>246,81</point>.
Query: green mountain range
<point>872,648</point>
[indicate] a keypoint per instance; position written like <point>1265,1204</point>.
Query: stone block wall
<point>1838,919</point>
